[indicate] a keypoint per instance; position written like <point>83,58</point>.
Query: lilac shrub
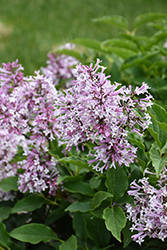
<point>95,110</point>
<point>149,216</point>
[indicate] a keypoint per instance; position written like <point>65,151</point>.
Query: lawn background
<point>29,29</point>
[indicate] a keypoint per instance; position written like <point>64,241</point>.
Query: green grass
<point>34,27</point>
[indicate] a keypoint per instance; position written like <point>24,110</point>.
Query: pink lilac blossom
<point>61,67</point>
<point>9,146</point>
<point>96,110</point>
<point>40,174</point>
<point>28,111</point>
<point>149,216</point>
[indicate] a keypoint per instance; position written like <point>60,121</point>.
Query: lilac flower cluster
<point>95,110</point>
<point>149,216</point>
<point>27,111</point>
<point>40,174</point>
<point>9,143</point>
<point>61,67</point>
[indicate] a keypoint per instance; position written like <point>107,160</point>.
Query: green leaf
<point>68,52</point>
<point>67,178</point>
<point>117,182</point>
<point>33,233</point>
<point>28,204</point>
<point>79,206</point>
<point>141,155</point>
<point>79,226</point>
<point>95,182</point>
<point>158,161</point>
<point>121,43</point>
<point>4,237</point>
<point>147,17</point>
<point>97,231</point>
<point>99,197</point>
<point>138,59</point>
<point>75,160</point>
<point>9,183</point>
<point>19,156</point>
<point>126,199</point>
<point>127,234</point>
<point>156,38</point>
<point>138,143</point>
<point>140,41</point>
<point>159,115</point>
<point>70,244</point>
<point>89,43</point>
<point>115,221</point>
<point>55,215</point>
<point>5,212</point>
<point>79,187</point>
<point>103,248</point>
<point>3,246</point>
<point>122,52</point>
<point>115,20</point>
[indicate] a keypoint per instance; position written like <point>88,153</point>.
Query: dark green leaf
<point>28,204</point>
<point>67,178</point>
<point>127,234</point>
<point>79,206</point>
<point>5,212</point>
<point>33,233</point>
<point>117,182</point>
<point>4,237</point>
<point>115,20</point>
<point>70,244</point>
<point>103,248</point>
<point>126,199</point>
<point>79,226</point>
<point>79,187</point>
<point>3,246</point>
<point>97,231</point>
<point>147,17</point>
<point>115,221</point>
<point>99,197</point>
<point>55,215</point>
<point>9,183</point>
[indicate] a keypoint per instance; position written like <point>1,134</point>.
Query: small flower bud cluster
<point>61,67</point>
<point>96,110</point>
<point>149,216</point>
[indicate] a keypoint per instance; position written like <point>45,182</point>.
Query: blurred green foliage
<point>30,29</point>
